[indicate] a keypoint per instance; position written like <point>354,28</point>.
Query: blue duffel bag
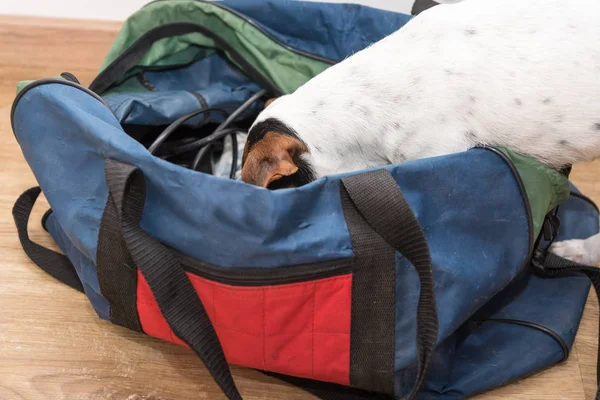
<point>428,279</point>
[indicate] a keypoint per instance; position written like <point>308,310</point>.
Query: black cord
<point>214,137</point>
<point>204,144</point>
<point>217,134</point>
<point>234,155</point>
<point>200,156</point>
<point>171,128</point>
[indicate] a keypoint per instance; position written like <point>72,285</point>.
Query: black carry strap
<point>550,265</point>
<point>380,201</point>
<point>172,289</point>
<point>55,264</point>
<point>375,195</point>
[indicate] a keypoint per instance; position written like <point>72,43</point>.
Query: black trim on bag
<point>254,276</point>
<point>523,191</point>
<point>262,30</point>
<point>586,199</point>
<point>521,185</point>
<point>45,218</point>
<point>541,328</point>
<point>52,80</point>
<point>115,71</point>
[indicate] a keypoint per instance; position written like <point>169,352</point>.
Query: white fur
<point>524,74</point>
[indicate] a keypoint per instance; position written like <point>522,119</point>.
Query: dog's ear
<point>271,158</point>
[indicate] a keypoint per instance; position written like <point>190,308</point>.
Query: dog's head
<point>273,156</point>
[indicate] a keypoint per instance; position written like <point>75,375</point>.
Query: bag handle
<point>172,289</point>
<point>55,264</point>
<point>375,195</point>
<point>549,265</point>
<point>381,203</point>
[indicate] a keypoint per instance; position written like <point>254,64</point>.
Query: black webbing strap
<point>381,203</point>
<point>117,272</point>
<point>373,304</point>
<point>55,264</point>
<point>172,289</point>
<point>550,265</point>
<point>370,194</point>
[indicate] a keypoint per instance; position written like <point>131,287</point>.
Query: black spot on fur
<point>547,100</point>
<point>471,136</point>
<point>399,156</point>
<point>518,102</point>
<point>597,126</point>
<point>470,31</point>
<point>563,143</point>
<point>366,111</point>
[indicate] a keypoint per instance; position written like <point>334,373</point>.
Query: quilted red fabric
<point>300,329</point>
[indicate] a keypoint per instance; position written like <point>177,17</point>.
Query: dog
<point>520,74</point>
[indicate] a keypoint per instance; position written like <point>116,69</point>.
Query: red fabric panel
<point>300,329</point>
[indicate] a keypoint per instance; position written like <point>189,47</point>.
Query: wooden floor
<point>52,345</point>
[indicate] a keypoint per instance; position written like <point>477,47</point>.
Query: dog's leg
<point>583,251</point>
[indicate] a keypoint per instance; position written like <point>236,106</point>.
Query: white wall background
<point>118,10</point>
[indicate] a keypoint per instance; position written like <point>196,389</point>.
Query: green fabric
<point>545,187</point>
<point>286,69</point>
<point>179,59</point>
<point>129,85</point>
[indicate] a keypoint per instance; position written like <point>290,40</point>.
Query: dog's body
<point>513,73</point>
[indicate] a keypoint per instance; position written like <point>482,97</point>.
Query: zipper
<point>254,276</point>
<point>145,82</point>
<point>261,29</point>
<point>129,58</point>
